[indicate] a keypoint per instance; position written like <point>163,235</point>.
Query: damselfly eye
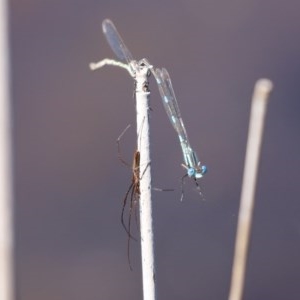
<point>203,169</point>
<point>191,172</point>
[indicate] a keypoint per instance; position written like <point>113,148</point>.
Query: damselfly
<point>192,164</point>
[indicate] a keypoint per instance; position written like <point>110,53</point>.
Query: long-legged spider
<point>133,192</point>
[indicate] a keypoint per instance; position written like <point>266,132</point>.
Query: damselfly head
<point>198,172</point>
<point>203,169</point>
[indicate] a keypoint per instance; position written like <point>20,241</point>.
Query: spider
<point>133,193</point>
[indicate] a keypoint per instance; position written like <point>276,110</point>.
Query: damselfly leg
<point>197,187</point>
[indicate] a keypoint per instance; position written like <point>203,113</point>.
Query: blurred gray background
<point>70,184</point>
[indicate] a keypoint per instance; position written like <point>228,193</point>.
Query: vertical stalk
<point>6,194</point>
<point>143,141</point>
<point>261,93</point>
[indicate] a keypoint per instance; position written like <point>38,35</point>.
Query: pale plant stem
<point>261,93</point>
<point>6,185</point>
<point>142,96</point>
<point>143,139</point>
<point>109,62</point>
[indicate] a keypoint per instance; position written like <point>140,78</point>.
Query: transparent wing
<point>170,103</point>
<point>115,41</point>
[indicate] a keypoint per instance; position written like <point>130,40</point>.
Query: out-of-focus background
<point>70,184</point>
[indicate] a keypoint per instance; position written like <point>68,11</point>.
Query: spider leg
<point>199,189</point>
<point>130,211</point>
<point>129,224</point>
<point>136,199</point>
<point>148,164</point>
<point>123,210</point>
<point>120,157</point>
<point>162,190</point>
